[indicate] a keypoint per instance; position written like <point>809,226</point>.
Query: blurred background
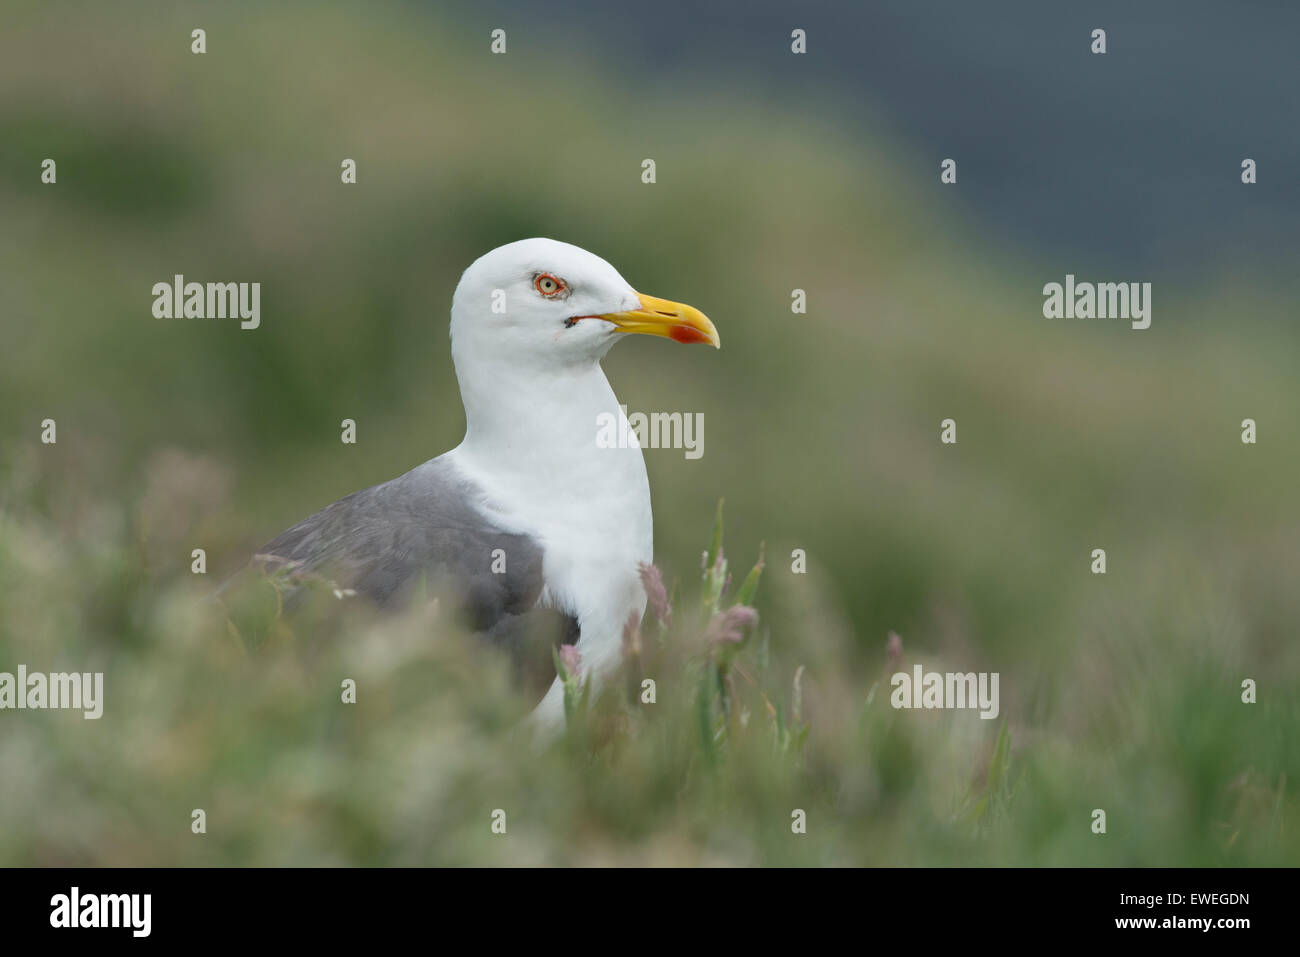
<point>775,171</point>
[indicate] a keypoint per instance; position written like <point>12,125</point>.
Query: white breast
<point>588,507</point>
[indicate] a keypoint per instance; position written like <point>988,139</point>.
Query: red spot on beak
<point>687,335</point>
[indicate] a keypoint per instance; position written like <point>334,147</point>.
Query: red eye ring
<point>548,285</point>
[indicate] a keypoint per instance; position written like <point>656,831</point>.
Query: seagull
<point>538,531</point>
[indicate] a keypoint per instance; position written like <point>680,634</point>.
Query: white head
<point>548,305</point>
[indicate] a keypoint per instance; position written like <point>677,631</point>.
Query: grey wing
<point>382,541</point>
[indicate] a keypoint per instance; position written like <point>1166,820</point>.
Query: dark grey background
<point>1128,161</point>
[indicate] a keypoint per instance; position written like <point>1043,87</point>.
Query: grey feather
<point>382,541</point>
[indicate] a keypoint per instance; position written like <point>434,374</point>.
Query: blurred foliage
<point>1119,691</point>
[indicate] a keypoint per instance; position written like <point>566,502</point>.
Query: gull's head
<point>552,304</point>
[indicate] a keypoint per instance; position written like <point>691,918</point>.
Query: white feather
<point>534,395</point>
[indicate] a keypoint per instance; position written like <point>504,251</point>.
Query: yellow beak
<point>662,317</point>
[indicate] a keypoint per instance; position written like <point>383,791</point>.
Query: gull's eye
<point>548,285</point>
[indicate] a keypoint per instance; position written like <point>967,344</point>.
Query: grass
<point>741,736</point>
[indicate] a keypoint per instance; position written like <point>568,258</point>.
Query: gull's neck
<point>536,431</point>
<point>512,412</point>
<point>531,446</point>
